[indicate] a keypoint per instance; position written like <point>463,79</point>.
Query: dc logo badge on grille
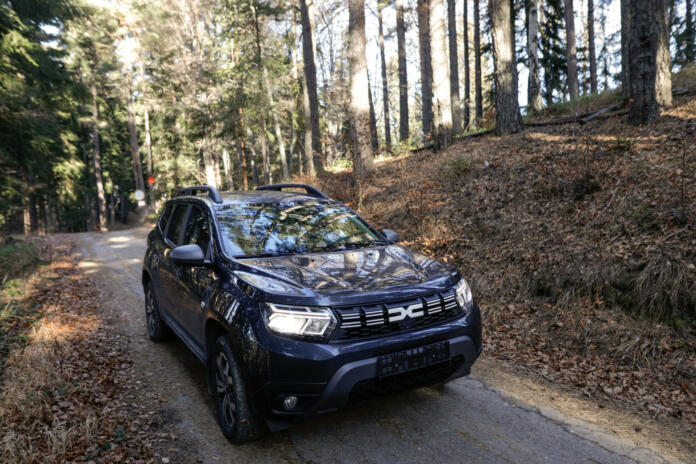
<point>400,313</point>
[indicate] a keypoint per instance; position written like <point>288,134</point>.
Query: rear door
<point>197,279</point>
<point>171,274</point>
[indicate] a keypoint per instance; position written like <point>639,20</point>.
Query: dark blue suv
<point>297,306</point>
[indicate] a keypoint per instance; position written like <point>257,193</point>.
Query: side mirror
<point>390,235</point>
<point>188,255</point>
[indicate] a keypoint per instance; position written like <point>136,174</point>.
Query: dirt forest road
<point>467,421</point>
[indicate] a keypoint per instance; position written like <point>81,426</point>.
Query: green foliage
<point>459,166</point>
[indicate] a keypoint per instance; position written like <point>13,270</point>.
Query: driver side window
<point>198,231</point>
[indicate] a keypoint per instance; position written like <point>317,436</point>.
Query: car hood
<point>393,270</point>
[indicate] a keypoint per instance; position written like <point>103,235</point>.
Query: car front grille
<point>396,316</point>
<point>374,388</point>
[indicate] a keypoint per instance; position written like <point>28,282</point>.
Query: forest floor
<point>579,242</point>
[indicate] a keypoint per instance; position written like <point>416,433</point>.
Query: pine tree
<point>508,119</point>
<point>403,76</point>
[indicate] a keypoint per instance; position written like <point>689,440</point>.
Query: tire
<point>157,329</point>
<point>233,409</point>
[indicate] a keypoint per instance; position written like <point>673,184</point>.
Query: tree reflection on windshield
<point>268,229</point>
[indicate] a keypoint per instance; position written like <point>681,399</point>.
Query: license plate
<point>415,358</point>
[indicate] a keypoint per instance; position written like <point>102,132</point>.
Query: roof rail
<point>311,191</point>
<point>213,194</point>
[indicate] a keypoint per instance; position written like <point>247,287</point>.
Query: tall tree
<point>313,156</point>
<point>534,101</point>
<point>374,140</point>
<point>508,119</point>
<point>454,66</point>
<point>385,84</point>
<point>591,44</point>
<point>359,105</point>
<point>261,71</point>
<point>689,32</point>
<point>571,52</point>
<point>96,152</point>
<point>625,39</point>
<point>467,74</point>
<point>425,68</point>
<point>133,136</point>
<point>649,60</point>
<point>442,101</point>
<point>477,61</point>
<point>403,78</point>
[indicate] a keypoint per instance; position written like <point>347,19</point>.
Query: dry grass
<point>64,394</point>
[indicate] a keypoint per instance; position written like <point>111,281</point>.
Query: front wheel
<point>157,329</point>
<point>232,407</point>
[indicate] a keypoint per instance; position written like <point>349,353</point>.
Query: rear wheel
<point>232,407</point>
<point>157,329</point>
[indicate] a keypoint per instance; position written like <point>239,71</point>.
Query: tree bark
<point>591,44</point>
<point>359,105</point>
<point>133,138</point>
<point>374,141</point>
<point>264,104</point>
<point>454,66</point>
<point>403,77</point>
<point>690,34</point>
<point>442,99</point>
<point>625,38</point>
<point>227,168</point>
<point>96,157</point>
<point>313,156</point>
<point>467,74</point>
<point>571,52</point>
<point>385,83</point>
<point>148,137</point>
<point>477,61</point>
<point>649,60</point>
<point>276,126</point>
<point>534,100</point>
<point>426,68</point>
<point>508,119</point>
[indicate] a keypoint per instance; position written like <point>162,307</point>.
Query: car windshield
<point>271,229</point>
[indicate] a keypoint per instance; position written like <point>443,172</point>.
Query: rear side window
<point>176,224</point>
<point>164,217</point>
<point>198,231</point>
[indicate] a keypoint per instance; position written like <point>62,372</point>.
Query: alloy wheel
<point>225,388</point>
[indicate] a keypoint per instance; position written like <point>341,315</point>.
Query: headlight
<point>464,297</point>
<point>302,321</point>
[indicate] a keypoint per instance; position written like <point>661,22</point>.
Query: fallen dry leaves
<point>577,240</point>
<point>69,394</point>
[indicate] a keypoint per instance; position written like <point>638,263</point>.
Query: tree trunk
<point>625,38</point>
<point>359,105</point>
<point>264,104</point>
<point>467,74</point>
<point>148,139</point>
<point>442,98</point>
<point>313,155</point>
<point>508,119</point>
<point>403,77</point>
<point>426,68</point>
<point>374,141</point>
<point>209,166</point>
<point>571,52</point>
<point>591,43</point>
<point>477,61</point>
<point>385,84</point>
<point>276,126</point>
<point>133,138</point>
<point>227,168</point>
<point>690,34</point>
<point>534,101</point>
<point>649,60</point>
<point>96,158</point>
<point>454,66</point>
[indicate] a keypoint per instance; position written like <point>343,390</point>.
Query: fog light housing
<point>290,402</point>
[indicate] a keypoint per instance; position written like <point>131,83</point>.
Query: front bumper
<point>328,377</point>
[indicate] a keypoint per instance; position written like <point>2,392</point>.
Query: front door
<point>171,274</point>
<point>197,280</point>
